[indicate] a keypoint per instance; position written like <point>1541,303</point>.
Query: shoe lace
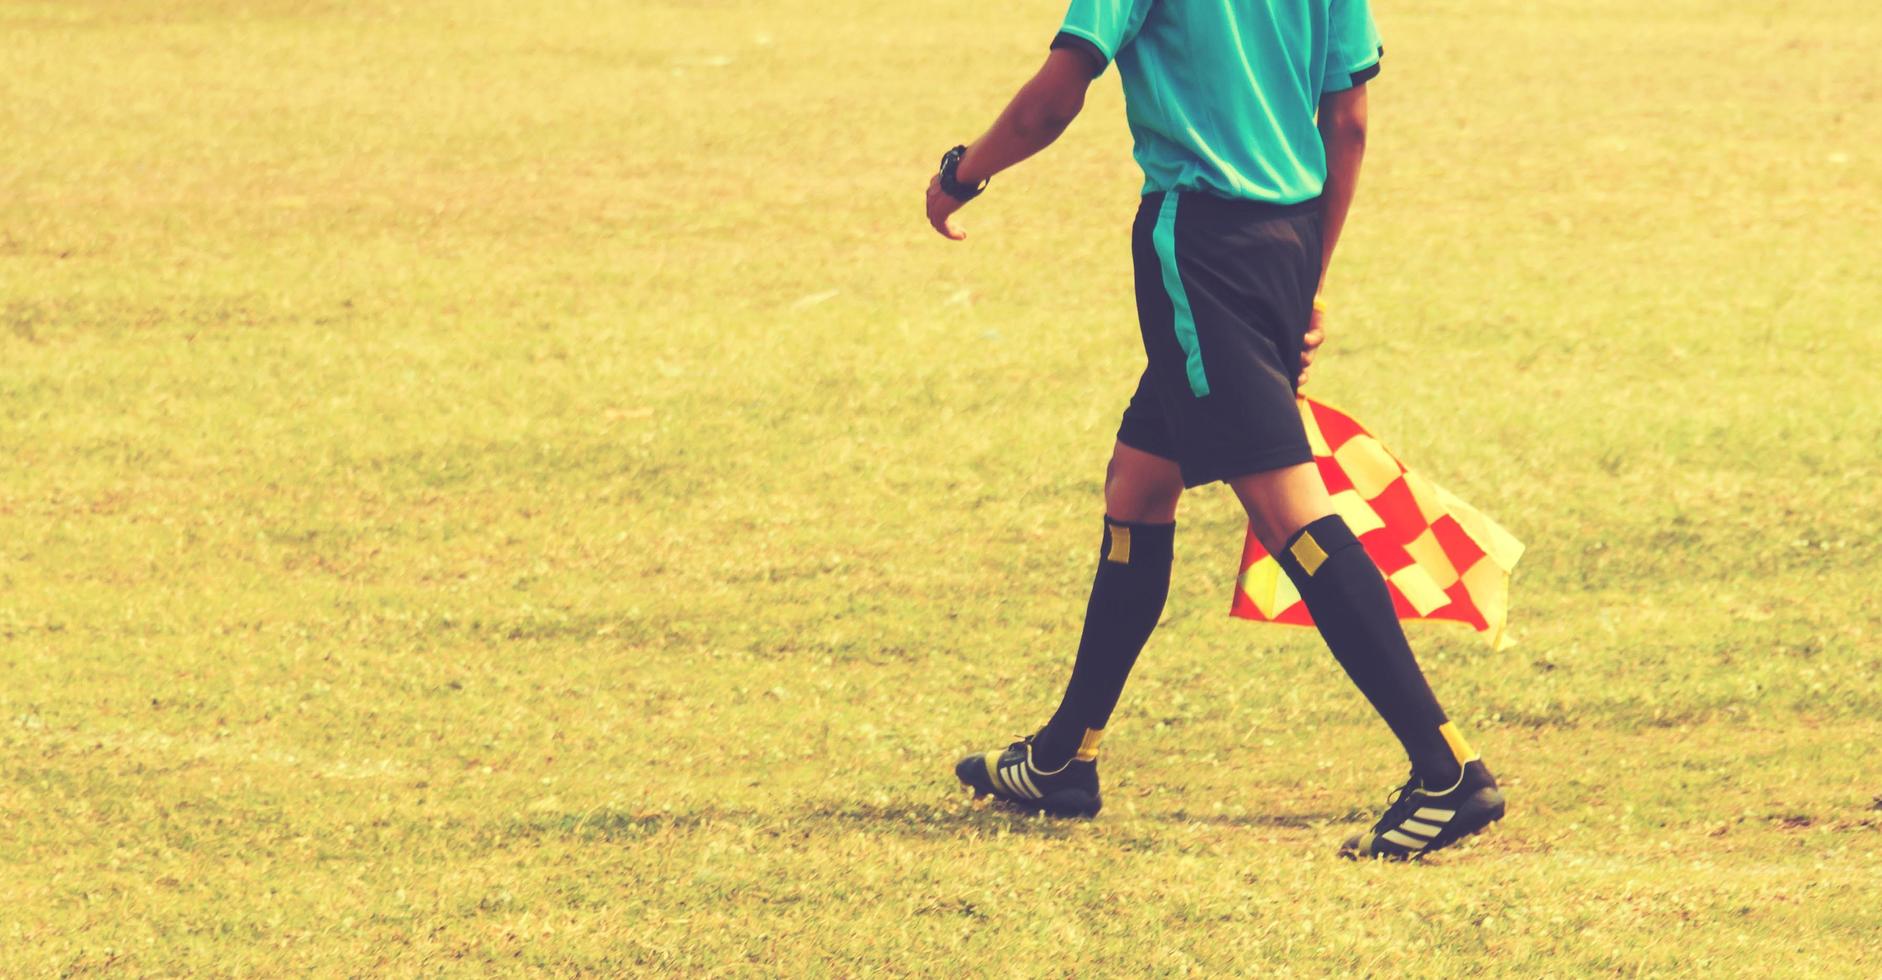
<point>1400,798</point>
<point>1028,741</point>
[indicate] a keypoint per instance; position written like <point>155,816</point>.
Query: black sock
<point>1347,596</point>
<point>1127,597</point>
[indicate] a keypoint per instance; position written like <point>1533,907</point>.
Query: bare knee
<point>1271,539</point>
<point>1268,529</point>
<point>1141,488</point>
<point>1281,502</point>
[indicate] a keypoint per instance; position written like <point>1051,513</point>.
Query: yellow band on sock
<point>1088,749</point>
<point>1308,552</point>
<point>1120,550</point>
<point>1459,748</point>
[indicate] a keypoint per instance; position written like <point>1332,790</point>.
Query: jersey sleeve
<point>1101,28</point>
<point>1353,46</point>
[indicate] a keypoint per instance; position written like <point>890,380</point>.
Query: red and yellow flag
<point>1442,558</point>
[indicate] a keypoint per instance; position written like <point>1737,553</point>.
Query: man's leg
<point>1294,519</point>
<point>1141,491</point>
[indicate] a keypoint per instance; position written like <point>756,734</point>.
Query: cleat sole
<point>1071,803</point>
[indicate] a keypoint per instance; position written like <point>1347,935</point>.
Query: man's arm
<point>1343,129</point>
<point>1037,115</point>
<point>1342,123</point>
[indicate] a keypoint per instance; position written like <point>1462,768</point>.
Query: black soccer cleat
<point>1010,776</point>
<point>1418,821</point>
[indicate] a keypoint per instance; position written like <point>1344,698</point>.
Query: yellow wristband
<point>1319,305</point>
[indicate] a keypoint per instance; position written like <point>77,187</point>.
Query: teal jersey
<point>1221,94</point>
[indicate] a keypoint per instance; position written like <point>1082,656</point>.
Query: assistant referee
<point>1249,119</point>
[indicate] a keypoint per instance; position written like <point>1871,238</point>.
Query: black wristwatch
<point>954,188</point>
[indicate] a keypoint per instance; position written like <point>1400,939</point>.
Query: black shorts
<point>1224,295</point>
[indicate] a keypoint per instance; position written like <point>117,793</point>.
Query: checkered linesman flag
<point>1442,558</point>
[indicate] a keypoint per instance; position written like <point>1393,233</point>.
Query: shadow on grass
<point>1318,820</point>
<point>813,818</point>
<point>905,820</point>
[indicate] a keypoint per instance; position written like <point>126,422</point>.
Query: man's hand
<point>941,210</point>
<point>1036,116</point>
<point>1311,341</point>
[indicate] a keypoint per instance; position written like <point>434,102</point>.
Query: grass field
<point>495,486</point>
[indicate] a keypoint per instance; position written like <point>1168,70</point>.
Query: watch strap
<point>951,185</point>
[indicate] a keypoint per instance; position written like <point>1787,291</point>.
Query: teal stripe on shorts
<point>1164,237</point>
